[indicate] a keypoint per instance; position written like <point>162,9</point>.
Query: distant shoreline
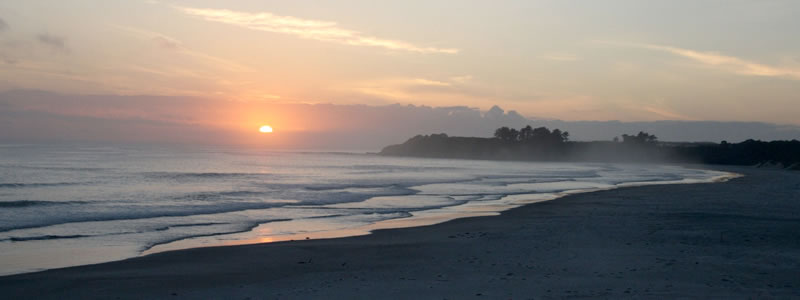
<point>541,144</point>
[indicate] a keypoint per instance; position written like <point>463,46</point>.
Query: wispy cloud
<point>3,25</point>
<point>428,82</point>
<point>461,79</point>
<point>664,113</point>
<point>560,57</point>
<point>53,41</point>
<point>401,88</point>
<point>460,90</point>
<point>722,62</point>
<point>159,39</point>
<point>734,64</point>
<point>170,43</point>
<point>309,29</point>
<point>166,42</point>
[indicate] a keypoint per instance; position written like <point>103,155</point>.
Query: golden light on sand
<point>265,129</point>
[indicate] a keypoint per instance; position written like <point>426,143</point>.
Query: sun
<point>265,129</point>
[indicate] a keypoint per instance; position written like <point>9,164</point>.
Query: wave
<point>361,169</point>
<point>391,168</point>
<point>37,184</point>
<point>28,203</point>
<point>275,196</point>
<point>644,178</point>
<point>250,227</point>
<point>45,237</point>
<point>181,175</point>
<point>246,227</point>
<point>371,211</point>
<point>333,187</point>
<point>45,168</point>
<point>189,225</point>
<point>136,214</point>
<point>343,153</point>
<point>300,194</point>
<point>206,196</point>
<point>75,236</point>
<point>401,186</point>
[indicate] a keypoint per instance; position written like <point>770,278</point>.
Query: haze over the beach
<point>343,74</point>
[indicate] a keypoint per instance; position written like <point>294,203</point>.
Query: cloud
<point>721,62</point>
<point>161,40</point>
<point>452,90</point>
<point>461,79</point>
<point>665,114</point>
<point>308,29</point>
<point>53,41</point>
<point>404,88</point>
<point>7,59</point>
<point>3,25</point>
<point>166,42</point>
<point>560,57</point>
<point>428,82</point>
<point>170,43</point>
<point>43,116</point>
<point>730,63</point>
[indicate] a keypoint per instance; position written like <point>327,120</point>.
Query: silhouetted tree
<point>501,133</point>
<point>558,136</point>
<point>526,133</point>
<point>529,134</point>
<point>514,135</point>
<point>506,134</point>
<point>543,144</point>
<point>640,138</point>
<point>646,137</point>
<point>541,134</point>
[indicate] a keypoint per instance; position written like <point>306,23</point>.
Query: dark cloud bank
<point>36,116</point>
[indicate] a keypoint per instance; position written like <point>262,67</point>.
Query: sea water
<point>67,205</point>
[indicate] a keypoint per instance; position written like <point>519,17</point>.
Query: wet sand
<point>736,239</point>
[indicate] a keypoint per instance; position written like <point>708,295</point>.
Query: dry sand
<point>737,239</point>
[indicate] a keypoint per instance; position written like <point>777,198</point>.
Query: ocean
<point>68,205</point>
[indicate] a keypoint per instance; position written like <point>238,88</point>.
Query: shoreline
<point>439,242</point>
<point>260,234</point>
<point>424,218</point>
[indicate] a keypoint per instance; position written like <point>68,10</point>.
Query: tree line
<point>543,144</point>
<point>545,135</point>
<point>530,134</point>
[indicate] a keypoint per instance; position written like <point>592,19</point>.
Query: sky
<point>231,66</point>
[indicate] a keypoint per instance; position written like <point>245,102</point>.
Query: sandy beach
<point>735,239</point>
